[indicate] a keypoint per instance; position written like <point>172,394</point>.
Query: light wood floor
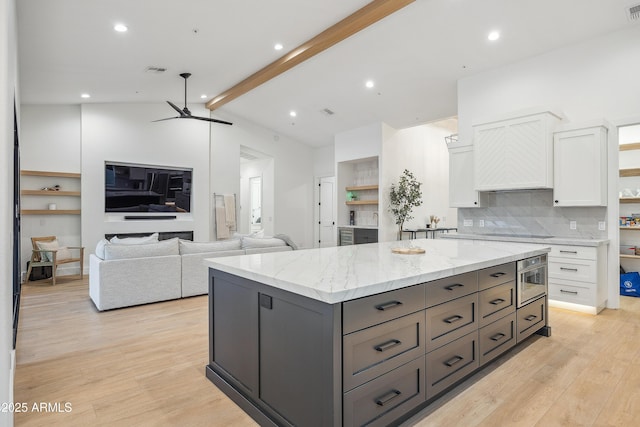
<point>144,366</point>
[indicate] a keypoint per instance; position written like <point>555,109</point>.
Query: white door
<point>326,212</point>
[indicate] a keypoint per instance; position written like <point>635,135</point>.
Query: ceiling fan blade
<point>206,119</point>
<point>168,118</point>
<point>175,107</point>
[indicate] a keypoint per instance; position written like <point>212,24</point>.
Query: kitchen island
<point>356,335</point>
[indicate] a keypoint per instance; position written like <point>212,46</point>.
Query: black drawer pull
<point>530,317</point>
<point>453,360</point>
<point>453,286</point>
<point>498,274</point>
<point>452,319</point>
<point>568,269</point>
<point>387,345</point>
<point>388,305</point>
<point>383,400</point>
<point>498,336</point>
<point>569,292</point>
<point>497,301</point>
<point>568,252</point>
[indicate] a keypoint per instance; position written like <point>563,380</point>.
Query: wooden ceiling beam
<point>357,21</point>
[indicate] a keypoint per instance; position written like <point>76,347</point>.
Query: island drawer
<point>530,318</point>
<point>560,291</point>
<point>496,302</point>
<point>497,337</point>
<point>368,311</point>
<point>443,290</point>
<point>580,252</point>
<point>496,275</point>
<point>450,363</point>
<point>371,352</point>
<point>574,269</point>
<point>449,321</point>
<point>383,400</point>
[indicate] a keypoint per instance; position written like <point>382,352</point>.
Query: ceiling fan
<point>185,113</point>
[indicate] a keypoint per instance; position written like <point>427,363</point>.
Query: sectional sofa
<point>134,271</point>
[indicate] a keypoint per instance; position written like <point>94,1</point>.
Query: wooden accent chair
<point>51,256</point>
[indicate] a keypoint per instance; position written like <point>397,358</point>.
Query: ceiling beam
<point>357,21</point>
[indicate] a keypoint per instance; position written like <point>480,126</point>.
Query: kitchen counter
<point>339,274</point>
<point>529,239</point>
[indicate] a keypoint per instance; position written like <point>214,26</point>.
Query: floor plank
<point>144,366</point>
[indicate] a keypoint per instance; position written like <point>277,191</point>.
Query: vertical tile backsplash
<point>531,213</point>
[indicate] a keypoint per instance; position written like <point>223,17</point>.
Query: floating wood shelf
<point>362,202</point>
<point>630,256</point>
<point>629,172</point>
<point>49,193</point>
<point>362,187</point>
<point>622,227</point>
<point>629,199</point>
<point>631,146</point>
<point>52,174</point>
<point>50,212</point>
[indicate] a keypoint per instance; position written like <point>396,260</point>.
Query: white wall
<point>8,85</point>
<point>594,79</point>
<point>324,161</point>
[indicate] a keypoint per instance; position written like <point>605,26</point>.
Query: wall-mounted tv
<point>132,188</point>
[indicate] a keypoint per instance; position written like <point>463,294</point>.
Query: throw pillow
<point>189,247</point>
<point>261,242</point>
<point>162,248</point>
<point>100,248</point>
<point>47,246</point>
<point>135,240</point>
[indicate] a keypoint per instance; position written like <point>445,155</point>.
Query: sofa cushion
<point>162,248</point>
<point>261,242</point>
<point>189,247</point>
<point>135,240</point>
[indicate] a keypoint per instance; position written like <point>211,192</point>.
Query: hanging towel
<point>230,208</point>
<point>222,230</point>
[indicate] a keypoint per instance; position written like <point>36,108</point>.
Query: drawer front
<point>372,352</point>
<point>493,276</point>
<point>449,321</point>
<point>364,312</point>
<point>497,338</point>
<point>561,291</point>
<point>580,252</point>
<point>443,290</point>
<point>580,270</point>
<point>496,302</point>
<point>450,363</point>
<point>530,318</point>
<point>386,398</point>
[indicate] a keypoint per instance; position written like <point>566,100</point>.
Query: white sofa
<point>125,274</point>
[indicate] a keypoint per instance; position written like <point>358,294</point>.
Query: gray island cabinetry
<point>360,336</point>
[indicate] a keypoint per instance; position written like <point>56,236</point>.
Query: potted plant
<point>404,196</point>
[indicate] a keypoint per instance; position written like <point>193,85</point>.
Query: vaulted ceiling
<point>414,56</point>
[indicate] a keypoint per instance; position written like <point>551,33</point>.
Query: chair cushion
<point>261,242</point>
<point>189,247</point>
<point>135,240</point>
<point>162,248</point>
<point>63,253</point>
<point>47,246</point>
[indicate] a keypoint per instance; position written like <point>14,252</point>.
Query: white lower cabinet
<point>578,278</point>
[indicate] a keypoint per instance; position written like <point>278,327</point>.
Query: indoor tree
<point>404,196</point>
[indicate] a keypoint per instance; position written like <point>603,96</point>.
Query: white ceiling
<point>415,56</point>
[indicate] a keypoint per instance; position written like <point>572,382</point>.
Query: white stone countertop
<point>529,239</point>
<point>342,273</point>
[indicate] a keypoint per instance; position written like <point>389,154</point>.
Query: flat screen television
<point>132,188</point>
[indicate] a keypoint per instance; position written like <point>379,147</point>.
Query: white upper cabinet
<point>462,193</point>
<point>516,153</point>
<point>580,168</point>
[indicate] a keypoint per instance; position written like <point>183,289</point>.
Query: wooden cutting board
<point>407,251</point>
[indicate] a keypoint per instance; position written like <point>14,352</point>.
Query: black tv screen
<point>133,188</point>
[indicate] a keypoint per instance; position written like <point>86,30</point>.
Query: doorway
<point>325,195</point>
<point>255,197</point>
<point>256,192</point>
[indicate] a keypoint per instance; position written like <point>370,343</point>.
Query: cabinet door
<point>490,157</point>
<point>462,193</point>
<point>580,167</point>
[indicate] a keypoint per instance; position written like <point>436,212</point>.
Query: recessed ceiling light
<point>85,95</point>
<point>203,96</point>
<point>369,84</point>
<point>493,36</point>
<point>278,46</point>
<point>293,113</point>
<point>121,28</point>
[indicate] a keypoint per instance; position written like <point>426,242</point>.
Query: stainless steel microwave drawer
<point>368,311</point>
<point>383,400</point>
<point>496,302</point>
<point>452,362</point>
<point>449,321</point>
<point>443,290</point>
<point>497,338</point>
<point>530,318</point>
<point>372,352</point>
<point>496,275</point>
